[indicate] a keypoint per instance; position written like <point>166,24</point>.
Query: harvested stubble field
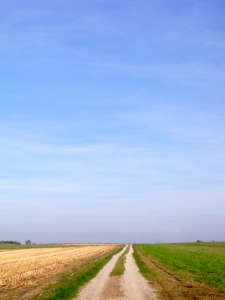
<point>25,272</point>
<point>184,271</point>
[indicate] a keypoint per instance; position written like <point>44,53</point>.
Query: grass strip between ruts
<point>69,284</point>
<point>119,267</point>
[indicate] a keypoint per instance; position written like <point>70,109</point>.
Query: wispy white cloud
<point>113,118</point>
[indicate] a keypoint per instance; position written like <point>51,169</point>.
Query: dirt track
<point>130,286</point>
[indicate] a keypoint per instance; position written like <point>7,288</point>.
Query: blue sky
<point>112,121</point>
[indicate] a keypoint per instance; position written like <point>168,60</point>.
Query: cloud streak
<point>112,120</point>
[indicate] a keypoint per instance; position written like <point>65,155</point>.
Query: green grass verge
<point>204,262</point>
<point>119,267</point>
<point>143,268</point>
<point>18,247</point>
<point>69,284</point>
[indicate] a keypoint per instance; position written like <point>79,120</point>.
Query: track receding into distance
<point>131,285</point>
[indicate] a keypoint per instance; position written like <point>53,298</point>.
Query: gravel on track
<point>129,286</point>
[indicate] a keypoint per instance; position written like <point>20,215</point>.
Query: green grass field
<point>18,247</point>
<point>204,262</point>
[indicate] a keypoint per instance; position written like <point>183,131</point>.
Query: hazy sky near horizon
<point>112,120</point>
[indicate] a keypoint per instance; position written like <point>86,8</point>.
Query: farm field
<point>25,272</point>
<point>20,247</point>
<point>184,271</point>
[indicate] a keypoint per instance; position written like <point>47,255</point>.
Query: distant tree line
<point>10,242</point>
